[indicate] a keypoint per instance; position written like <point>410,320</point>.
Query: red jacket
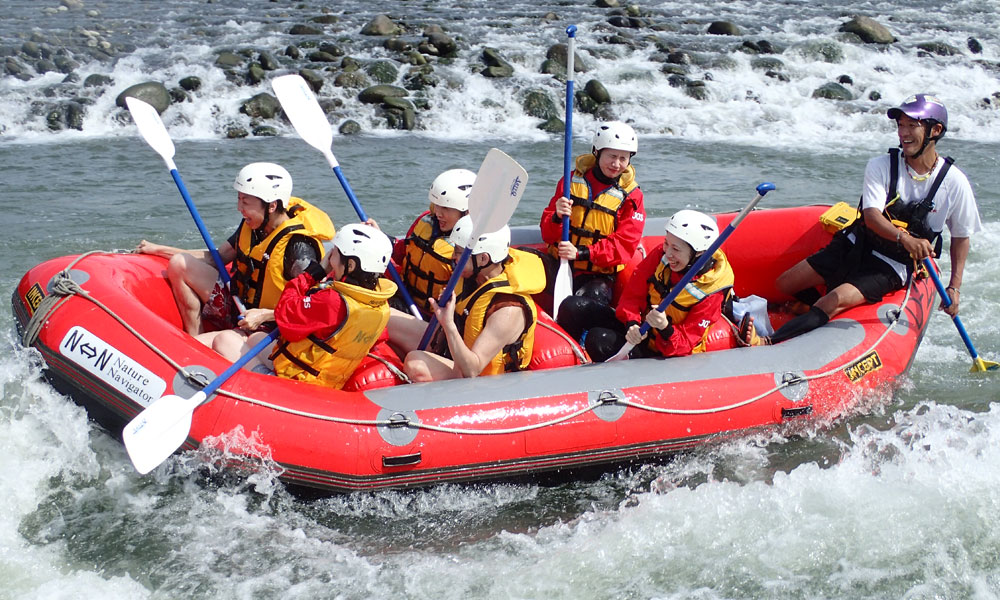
<point>616,249</point>
<point>686,334</point>
<point>300,314</point>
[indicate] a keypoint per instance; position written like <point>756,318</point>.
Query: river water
<point>901,500</point>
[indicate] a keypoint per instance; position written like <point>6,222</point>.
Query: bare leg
<point>230,343</point>
<point>421,365</point>
<point>798,278</point>
<point>405,331</point>
<point>191,280</point>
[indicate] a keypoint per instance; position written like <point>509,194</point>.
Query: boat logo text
<point>866,364</point>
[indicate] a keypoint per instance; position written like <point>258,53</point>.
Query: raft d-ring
<point>792,385</point>
<point>606,404</point>
<point>400,429</point>
<point>196,379</point>
<point>892,315</point>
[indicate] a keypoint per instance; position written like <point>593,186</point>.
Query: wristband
<point>951,287</point>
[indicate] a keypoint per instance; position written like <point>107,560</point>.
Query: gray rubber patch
<point>607,407</point>
<point>186,388</point>
<point>401,434</point>
<point>887,313</point>
<point>798,389</point>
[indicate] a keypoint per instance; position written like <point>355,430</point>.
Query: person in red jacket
<point>682,328</point>
<point>606,214</point>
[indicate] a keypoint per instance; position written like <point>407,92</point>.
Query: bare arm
<point>226,251</point>
<point>959,252</point>
<point>502,327</point>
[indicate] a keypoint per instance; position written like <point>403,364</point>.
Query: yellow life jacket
<point>426,266</point>
<point>523,275</point>
<point>593,219</point>
<point>332,361</point>
<point>259,276</point>
<point>718,279</point>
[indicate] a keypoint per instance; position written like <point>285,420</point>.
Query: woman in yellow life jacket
<point>278,237</point>
<point>425,260</point>
<point>683,327</point>
<point>330,316</point>
<point>489,324</point>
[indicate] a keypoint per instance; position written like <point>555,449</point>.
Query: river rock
<point>331,48</point>
<point>584,103</point>
<point>267,61</point>
<point>355,80</point>
<point>869,30</point>
<point>265,131</point>
<point>304,30</point>
<point>263,106</point>
<point>832,91</point>
<point>97,80</point>
<point>325,19</point>
<point>557,52</point>
<point>397,118</point>
<point>381,25</point>
<point>767,63</point>
<point>822,50</point>
<point>322,57</point>
<point>553,125</point>
<point>496,66</point>
<point>938,48</point>
<point>444,44</point>
<point>293,52</point>
<point>255,74</point>
<point>974,46</point>
<point>314,79</point>
<point>723,28</point>
<point>606,3</point>
<point>596,90</point>
<point>190,83</point>
<point>229,60</point>
<point>537,103</point>
<point>415,58</point>
<point>377,94</point>
<point>65,64</point>
<point>382,71</point>
<point>349,127</point>
<point>396,44</point>
<point>153,93</point>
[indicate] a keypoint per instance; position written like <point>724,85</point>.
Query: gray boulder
<point>869,30</point>
<point>377,94</point>
<point>381,25</point>
<point>723,28</point>
<point>153,93</point>
<point>537,103</point>
<point>832,91</point>
<point>263,106</point>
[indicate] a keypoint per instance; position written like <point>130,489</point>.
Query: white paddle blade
<point>151,128</point>
<point>305,113</point>
<point>564,286</point>
<point>499,186</point>
<point>622,354</point>
<point>159,430</point>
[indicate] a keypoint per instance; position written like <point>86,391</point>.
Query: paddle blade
<point>305,113</point>
<point>981,366</point>
<point>622,353</point>
<point>151,128</point>
<point>563,288</point>
<point>499,186</point>
<point>159,430</point>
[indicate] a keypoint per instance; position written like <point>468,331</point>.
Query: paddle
<point>152,130</point>
<point>564,276</point>
<point>309,120</point>
<point>160,429</point>
<point>499,186</point>
<point>762,189</point>
<point>978,364</point>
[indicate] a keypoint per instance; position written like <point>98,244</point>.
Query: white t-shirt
<point>954,202</point>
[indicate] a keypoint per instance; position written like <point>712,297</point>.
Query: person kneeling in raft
<point>490,328</point>
<point>684,326</point>
<point>331,315</point>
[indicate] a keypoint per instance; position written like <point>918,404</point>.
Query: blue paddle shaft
<point>445,297</point>
<point>568,145</point>
<point>223,274</point>
<point>946,300</point>
<point>361,215</point>
<point>706,256</point>
<point>236,366</point>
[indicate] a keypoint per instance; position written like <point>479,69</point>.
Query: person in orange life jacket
<point>330,316</point>
<point>873,256</point>
<point>607,215</point>
<point>424,257</point>
<point>488,324</point>
<point>682,328</point>
<point>277,238</point>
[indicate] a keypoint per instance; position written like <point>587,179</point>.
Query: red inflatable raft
<point>109,333</point>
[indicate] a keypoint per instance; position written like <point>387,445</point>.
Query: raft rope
<point>63,287</point>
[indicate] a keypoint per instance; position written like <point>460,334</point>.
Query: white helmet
<point>451,189</point>
<point>617,136</point>
<point>267,181</point>
<point>495,244</point>
<point>697,229</point>
<point>370,246</point>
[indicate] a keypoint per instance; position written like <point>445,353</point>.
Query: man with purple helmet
<point>910,194</point>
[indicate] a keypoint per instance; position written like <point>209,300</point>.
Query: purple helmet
<point>922,107</point>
